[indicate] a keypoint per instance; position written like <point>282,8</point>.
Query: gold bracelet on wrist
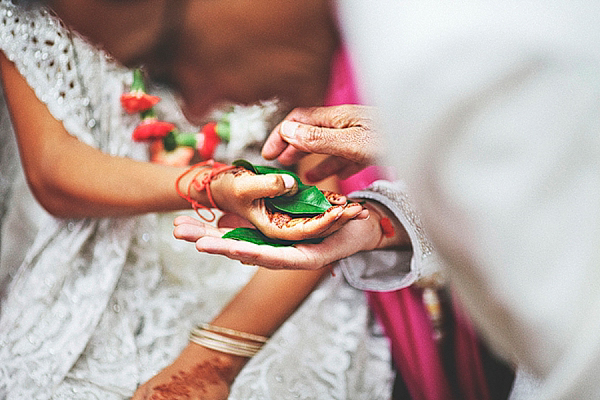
<point>233,332</point>
<point>242,344</point>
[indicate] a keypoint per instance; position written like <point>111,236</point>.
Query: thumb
<point>347,143</point>
<point>268,185</point>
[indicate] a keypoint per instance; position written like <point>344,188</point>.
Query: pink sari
<point>463,369</point>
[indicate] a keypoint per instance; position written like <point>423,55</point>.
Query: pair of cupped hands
<point>344,133</point>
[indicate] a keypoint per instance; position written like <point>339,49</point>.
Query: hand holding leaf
<point>259,194</point>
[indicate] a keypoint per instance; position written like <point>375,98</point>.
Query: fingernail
<point>339,213</point>
<point>288,181</point>
<point>288,129</point>
<point>363,215</point>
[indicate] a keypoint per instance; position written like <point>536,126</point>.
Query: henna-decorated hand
<point>197,374</point>
<point>356,235</point>
<point>242,192</point>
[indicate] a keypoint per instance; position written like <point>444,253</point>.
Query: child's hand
<point>242,192</point>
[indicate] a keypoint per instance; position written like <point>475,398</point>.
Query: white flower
<point>248,126</point>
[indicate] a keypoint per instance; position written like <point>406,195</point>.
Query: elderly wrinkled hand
<point>346,133</point>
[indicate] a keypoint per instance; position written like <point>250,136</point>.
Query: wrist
<point>185,183</point>
<point>227,366</point>
<point>389,231</point>
<point>194,186</point>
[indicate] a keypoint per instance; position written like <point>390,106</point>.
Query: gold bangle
<point>225,340</point>
<point>232,332</point>
<point>221,348</point>
<point>224,344</point>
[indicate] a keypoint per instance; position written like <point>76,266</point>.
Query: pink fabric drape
<point>418,357</point>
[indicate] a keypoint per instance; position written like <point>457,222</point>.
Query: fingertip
<point>203,244</point>
<point>273,146</point>
<point>335,198</point>
<point>288,130</point>
<point>188,232</point>
<point>268,151</point>
<point>186,219</point>
<point>288,181</point>
<point>179,220</point>
<point>177,231</point>
<point>363,215</point>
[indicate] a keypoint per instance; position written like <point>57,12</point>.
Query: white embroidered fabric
<point>95,307</point>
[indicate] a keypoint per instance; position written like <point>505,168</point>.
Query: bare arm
<point>261,307</point>
<point>70,178</point>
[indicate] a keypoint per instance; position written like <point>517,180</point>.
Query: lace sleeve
<point>384,270</point>
<point>60,67</point>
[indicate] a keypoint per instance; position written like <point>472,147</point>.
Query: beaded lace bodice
<point>96,307</point>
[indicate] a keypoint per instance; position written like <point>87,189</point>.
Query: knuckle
<point>274,180</point>
<point>237,191</point>
<point>314,135</point>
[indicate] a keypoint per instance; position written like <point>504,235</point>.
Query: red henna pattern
<point>186,383</point>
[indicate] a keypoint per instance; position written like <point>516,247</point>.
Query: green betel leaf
<point>245,164</point>
<point>253,236</point>
<point>308,201</point>
<point>256,237</point>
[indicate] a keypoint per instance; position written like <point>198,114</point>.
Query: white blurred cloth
<point>492,116</point>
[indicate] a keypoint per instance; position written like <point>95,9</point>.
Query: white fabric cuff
<point>387,270</point>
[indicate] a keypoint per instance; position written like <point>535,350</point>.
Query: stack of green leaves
<point>307,202</point>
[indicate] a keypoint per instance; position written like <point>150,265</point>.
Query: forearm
<point>89,183</point>
<point>72,179</point>
<point>266,302</point>
<point>270,297</point>
<point>280,292</point>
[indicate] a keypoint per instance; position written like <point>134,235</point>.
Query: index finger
<point>274,145</point>
<point>277,147</point>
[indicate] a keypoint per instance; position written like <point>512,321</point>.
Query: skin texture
<point>200,380</point>
<point>190,376</point>
<point>202,373</point>
<point>318,128</point>
<point>84,182</point>
<point>278,48</point>
<point>359,234</point>
<point>241,192</point>
<point>345,133</point>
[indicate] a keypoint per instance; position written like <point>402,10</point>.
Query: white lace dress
<point>91,308</point>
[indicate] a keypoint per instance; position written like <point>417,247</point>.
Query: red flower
<point>137,101</point>
<point>151,129</point>
<point>210,142</point>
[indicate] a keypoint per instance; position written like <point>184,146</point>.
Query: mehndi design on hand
<point>308,203</point>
